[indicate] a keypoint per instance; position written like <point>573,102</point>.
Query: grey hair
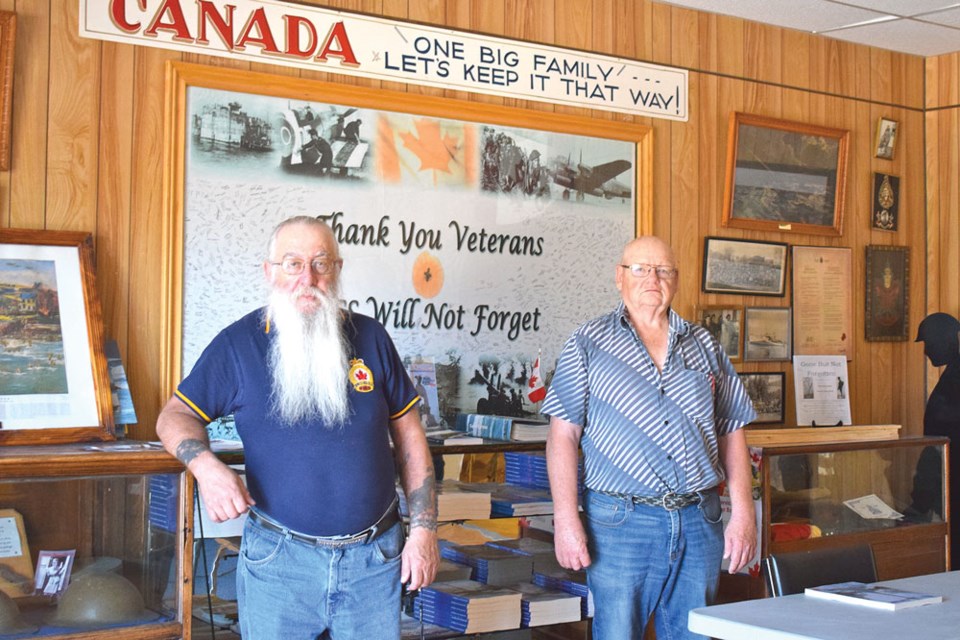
<point>309,221</point>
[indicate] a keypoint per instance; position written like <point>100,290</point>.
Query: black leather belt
<point>389,518</point>
<point>669,501</point>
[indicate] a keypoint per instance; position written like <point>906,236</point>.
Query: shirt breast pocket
<point>694,394</point>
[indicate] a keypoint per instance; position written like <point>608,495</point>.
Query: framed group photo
<point>768,393</point>
<point>887,293</point>
<point>746,267</point>
<point>785,176</point>
<point>767,334</point>
<point>725,323</point>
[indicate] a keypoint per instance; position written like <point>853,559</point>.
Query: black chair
<point>789,573</point>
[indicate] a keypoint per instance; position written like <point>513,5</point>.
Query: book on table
<point>451,437</point>
<point>876,596</point>
<point>468,606</point>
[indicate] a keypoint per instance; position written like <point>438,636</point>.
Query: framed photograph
<point>886,138</point>
<point>53,572</point>
<point>8,36</point>
<point>54,386</point>
<point>785,176</point>
<point>747,267</point>
<point>726,325</point>
<point>767,335</point>
<point>886,202</point>
<point>768,393</point>
<point>822,300</point>
<point>888,293</point>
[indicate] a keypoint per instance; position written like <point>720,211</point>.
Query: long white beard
<point>308,360</point>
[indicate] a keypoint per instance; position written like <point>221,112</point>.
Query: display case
<point>119,507</point>
<point>892,495</point>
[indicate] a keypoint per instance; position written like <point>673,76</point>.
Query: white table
<point>798,617</point>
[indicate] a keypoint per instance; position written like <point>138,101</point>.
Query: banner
<point>266,31</point>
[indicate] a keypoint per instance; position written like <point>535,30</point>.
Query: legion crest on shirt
<point>360,376</point>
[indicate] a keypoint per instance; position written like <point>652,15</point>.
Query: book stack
<point>573,582</point>
<point>468,606</point>
<point>491,566</point>
<point>529,469</point>
<point>456,501</point>
<point>543,554</point>
<point>451,437</point>
<point>448,571</point>
<point>541,606</point>
<point>508,500</point>
<point>875,596</point>
<point>502,427</point>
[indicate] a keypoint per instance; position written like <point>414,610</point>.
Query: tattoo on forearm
<point>423,505</point>
<point>189,449</point>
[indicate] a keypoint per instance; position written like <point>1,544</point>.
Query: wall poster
<point>477,235</point>
<point>822,301</point>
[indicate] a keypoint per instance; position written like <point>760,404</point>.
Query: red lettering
<point>222,26</point>
<point>264,38</point>
<point>294,23</point>
<point>177,24</point>
<point>337,44</point>
<point>119,15</point>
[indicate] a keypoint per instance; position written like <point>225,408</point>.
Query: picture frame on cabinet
<point>887,298</point>
<point>746,267</point>
<point>767,334</point>
<point>887,131</point>
<point>54,384</point>
<point>767,391</point>
<point>785,176</point>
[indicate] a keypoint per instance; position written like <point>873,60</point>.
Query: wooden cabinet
<point>120,507</point>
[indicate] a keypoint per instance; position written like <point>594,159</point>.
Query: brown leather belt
<point>389,518</point>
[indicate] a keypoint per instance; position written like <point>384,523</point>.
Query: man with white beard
<point>317,394</point>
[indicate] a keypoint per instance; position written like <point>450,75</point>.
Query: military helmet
<point>99,598</point>
<point>10,620</point>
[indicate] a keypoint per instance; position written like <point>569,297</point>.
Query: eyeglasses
<point>644,270</point>
<point>295,266</point>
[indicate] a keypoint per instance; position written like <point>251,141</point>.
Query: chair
<point>789,573</point>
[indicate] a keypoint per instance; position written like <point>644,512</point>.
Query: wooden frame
<point>8,37</point>
<point>886,140</point>
<point>185,80</point>
<point>887,293</point>
<point>886,202</point>
<point>745,267</point>
<point>785,176</point>
<point>768,392</point>
<point>725,323</point>
<point>53,371</point>
<point>767,336</point>
<point>822,287</point>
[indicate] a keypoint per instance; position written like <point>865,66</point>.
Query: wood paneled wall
<point>87,153</point>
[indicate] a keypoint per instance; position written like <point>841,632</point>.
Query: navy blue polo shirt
<point>314,479</point>
<point>645,431</point>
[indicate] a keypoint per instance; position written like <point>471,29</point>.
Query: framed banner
<point>822,301</point>
<point>54,386</point>
<point>477,235</point>
<point>888,293</point>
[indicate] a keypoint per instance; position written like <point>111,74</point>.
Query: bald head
<point>646,246</point>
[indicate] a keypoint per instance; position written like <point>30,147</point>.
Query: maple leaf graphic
<point>533,381</point>
<point>434,151</point>
<point>361,375</point>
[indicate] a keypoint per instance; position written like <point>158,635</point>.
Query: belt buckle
<point>669,501</point>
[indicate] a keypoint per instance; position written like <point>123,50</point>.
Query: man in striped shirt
<point>657,408</point>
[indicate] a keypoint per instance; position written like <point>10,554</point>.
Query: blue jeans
<point>291,590</point>
<point>647,560</point>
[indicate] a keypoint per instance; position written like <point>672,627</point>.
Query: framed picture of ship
<point>54,386</point>
<point>767,334</point>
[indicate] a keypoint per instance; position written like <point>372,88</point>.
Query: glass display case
<point>113,515</point>
<point>890,494</point>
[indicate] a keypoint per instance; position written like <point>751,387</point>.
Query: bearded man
<point>317,394</point>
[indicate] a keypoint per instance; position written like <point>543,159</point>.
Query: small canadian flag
<point>535,389</point>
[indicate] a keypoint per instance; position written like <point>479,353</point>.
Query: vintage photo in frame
<point>767,336</point>
<point>54,385</point>
<point>768,393</point>
<point>887,293</point>
<point>747,267</point>
<point>886,202</point>
<point>451,217</point>
<point>725,323</point>
<point>785,176</point>
<point>887,131</point>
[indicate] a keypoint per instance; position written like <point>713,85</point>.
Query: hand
<point>570,544</point>
<point>224,494</point>
<point>420,559</point>
<point>739,541</point>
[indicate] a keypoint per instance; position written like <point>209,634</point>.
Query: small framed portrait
<point>886,202</point>
<point>887,130</point>
<point>767,334</point>
<point>888,293</point>
<point>747,267</point>
<point>53,572</point>
<point>726,325</point>
<point>767,391</point>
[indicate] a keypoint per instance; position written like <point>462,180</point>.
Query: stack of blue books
<point>468,606</point>
<point>543,554</point>
<point>492,566</point>
<point>574,582</point>
<point>542,606</point>
<point>529,469</point>
<point>508,500</point>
